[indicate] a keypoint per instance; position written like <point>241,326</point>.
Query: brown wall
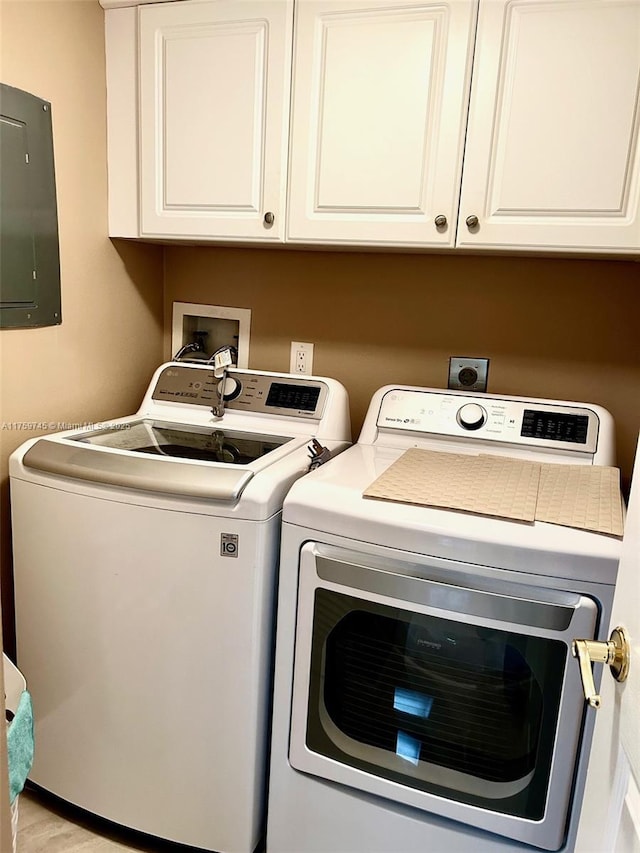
<point>556,328</point>
<point>96,364</point>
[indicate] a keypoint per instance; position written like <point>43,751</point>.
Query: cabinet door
<point>552,159</point>
<point>380,92</point>
<point>214,98</point>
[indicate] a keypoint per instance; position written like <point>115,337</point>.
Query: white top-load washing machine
<point>145,557</point>
<point>426,698</point>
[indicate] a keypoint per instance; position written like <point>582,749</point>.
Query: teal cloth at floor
<point>20,745</point>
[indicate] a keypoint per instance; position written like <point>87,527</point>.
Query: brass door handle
<point>615,652</point>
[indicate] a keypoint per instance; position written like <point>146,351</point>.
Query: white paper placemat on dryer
<point>582,496</point>
<point>489,485</point>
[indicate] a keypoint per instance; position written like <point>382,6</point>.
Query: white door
<point>214,111</point>
<point>380,94</point>
<point>610,817</point>
<point>552,157</point>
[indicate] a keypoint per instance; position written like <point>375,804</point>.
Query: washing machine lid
<point>157,456</point>
<point>185,441</point>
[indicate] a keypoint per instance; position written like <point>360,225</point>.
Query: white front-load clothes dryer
<point>145,558</point>
<point>426,698</point>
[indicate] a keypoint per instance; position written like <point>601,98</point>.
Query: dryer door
<point>442,686</point>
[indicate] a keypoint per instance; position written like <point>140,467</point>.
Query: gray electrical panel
<point>29,256</point>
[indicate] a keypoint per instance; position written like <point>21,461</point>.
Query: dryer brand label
<point>429,644</point>
<point>228,545</point>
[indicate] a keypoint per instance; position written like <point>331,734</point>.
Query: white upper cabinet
<point>380,94</point>
<point>213,116</point>
<point>552,159</point>
<point>474,124</point>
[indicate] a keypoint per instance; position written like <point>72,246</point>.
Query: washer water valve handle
<point>193,346</point>
<point>615,653</point>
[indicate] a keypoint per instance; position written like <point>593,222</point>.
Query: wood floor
<point>46,825</point>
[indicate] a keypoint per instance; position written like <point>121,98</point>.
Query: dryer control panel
<point>490,418</point>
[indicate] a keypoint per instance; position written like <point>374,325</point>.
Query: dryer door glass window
<point>448,707</point>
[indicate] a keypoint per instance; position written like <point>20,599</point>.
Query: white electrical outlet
<point>301,357</point>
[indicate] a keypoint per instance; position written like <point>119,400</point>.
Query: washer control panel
<point>490,418</point>
<point>243,391</point>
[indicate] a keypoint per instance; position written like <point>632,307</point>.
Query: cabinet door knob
<point>472,221</point>
<point>269,218</point>
<point>440,220</point>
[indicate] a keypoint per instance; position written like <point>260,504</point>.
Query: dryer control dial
<point>471,416</point>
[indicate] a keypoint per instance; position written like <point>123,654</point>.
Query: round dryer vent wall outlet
<point>468,374</point>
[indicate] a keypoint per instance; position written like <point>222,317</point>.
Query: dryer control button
<point>471,416</point>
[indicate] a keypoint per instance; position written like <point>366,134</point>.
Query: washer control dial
<point>471,416</point>
<point>232,388</point>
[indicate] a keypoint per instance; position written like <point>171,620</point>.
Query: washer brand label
<point>228,545</point>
